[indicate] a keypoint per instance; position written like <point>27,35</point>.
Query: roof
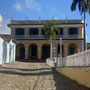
<point>7,38</point>
<point>41,22</point>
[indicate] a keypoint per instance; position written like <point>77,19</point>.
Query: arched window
<point>73,31</point>
<point>20,51</point>
<point>45,51</point>
<point>19,31</point>
<point>71,50</point>
<point>33,31</point>
<point>33,50</point>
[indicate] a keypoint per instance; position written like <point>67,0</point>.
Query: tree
<point>84,7</point>
<point>50,30</point>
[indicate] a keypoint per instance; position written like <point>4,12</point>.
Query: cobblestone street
<point>34,76</point>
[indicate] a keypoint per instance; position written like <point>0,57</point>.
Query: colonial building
<point>33,45</point>
<point>7,49</point>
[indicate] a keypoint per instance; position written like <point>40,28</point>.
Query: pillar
<point>65,32</point>
<point>26,52</point>
<point>26,32</point>
<point>39,33</point>
<point>39,52</point>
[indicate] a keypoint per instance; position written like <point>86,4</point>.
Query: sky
<point>33,9</point>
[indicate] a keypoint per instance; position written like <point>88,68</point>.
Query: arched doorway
<point>20,51</point>
<point>33,51</point>
<point>72,49</point>
<point>45,51</point>
<point>58,51</point>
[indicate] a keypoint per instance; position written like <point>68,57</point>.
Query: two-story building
<point>33,45</point>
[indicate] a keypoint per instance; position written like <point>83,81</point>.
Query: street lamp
<point>60,47</point>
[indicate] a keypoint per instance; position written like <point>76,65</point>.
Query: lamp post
<point>60,47</point>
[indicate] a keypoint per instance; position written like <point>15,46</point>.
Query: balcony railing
<point>41,37</point>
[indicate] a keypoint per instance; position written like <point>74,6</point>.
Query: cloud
<point>4,29</point>
<point>27,4</point>
<point>18,6</point>
<point>33,5</point>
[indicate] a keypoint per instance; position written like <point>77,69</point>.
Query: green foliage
<point>83,6</point>
<point>50,28</point>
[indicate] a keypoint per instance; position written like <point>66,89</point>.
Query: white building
<point>7,49</point>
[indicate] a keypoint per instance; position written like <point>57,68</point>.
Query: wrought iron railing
<point>42,37</point>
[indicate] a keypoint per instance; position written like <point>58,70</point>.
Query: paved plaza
<point>34,76</point>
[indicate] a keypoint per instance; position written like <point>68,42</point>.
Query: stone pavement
<point>34,76</point>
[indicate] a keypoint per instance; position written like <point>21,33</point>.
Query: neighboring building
<point>88,46</point>
<point>7,49</point>
<point>32,44</point>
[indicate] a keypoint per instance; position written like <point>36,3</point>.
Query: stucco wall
<point>1,41</point>
<point>7,51</point>
<point>40,43</point>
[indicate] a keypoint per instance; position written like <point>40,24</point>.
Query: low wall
<point>81,59</point>
<point>50,62</point>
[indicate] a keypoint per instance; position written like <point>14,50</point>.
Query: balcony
<point>41,37</point>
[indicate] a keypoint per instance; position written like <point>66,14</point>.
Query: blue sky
<point>46,9</point>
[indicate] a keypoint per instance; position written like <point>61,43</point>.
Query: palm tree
<point>84,7</point>
<point>50,30</point>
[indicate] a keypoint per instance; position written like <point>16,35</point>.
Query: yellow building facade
<point>33,45</point>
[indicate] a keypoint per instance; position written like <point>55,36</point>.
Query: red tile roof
<point>37,22</point>
<point>7,38</point>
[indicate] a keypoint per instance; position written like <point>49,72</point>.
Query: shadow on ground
<point>64,83</point>
<point>25,72</point>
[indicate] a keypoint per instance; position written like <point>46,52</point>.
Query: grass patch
<point>82,76</point>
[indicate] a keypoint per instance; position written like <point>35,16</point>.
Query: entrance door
<point>34,51</point>
<point>46,52</point>
<point>22,53</point>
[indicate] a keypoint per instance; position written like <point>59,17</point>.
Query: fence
<point>81,59</point>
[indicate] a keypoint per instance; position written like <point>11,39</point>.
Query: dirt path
<point>34,76</point>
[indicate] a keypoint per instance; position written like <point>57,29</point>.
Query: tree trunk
<point>85,46</point>
<point>51,48</point>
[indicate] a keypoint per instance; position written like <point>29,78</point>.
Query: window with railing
<point>33,31</point>
<point>19,31</point>
<point>73,31</point>
<point>61,31</point>
<point>43,32</point>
